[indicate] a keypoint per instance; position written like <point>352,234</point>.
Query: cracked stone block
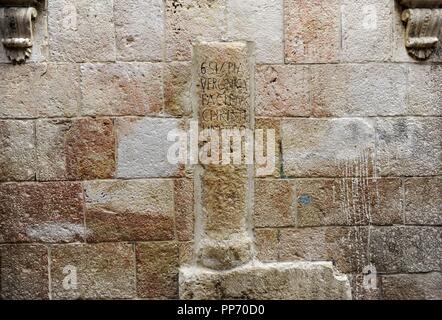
<point>177,79</point>
<point>409,146</point>
<point>102,271</point>
<point>366,30</point>
<point>139,28</point>
<point>81,30</point>
<point>423,201</point>
<point>260,21</point>
<point>149,215</point>
<point>41,212</point>
<point>121,89</point>
<point>191,20</point>
<point>424,286</point>
<point>75,149</point>
<point>282,91</point>
<point>143,147</point>
<point>266,244</point>
<point>24,272</point>
<point>286,281</point>
<point>312,31</point>
<point>157,269</point>
<point>406,249</point>
<point>424,94</point>
<point>17,145</point>
<point>327,147</point>
<point>359,90</point>
<point>39,90</point>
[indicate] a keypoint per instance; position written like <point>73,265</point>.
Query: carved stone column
<point>17,28</point>
<point>423,20</point>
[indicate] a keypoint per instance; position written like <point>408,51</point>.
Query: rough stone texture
<point>328,147</point>
<point>345,246</point>
<point>266,243</point>
<point>359,90</point>
<point>190,20</point>
<point>121,89</point>
<point>186,253</point>
<point>264,170</point>
<point>39,90</point>
<point>406,249</point>
<point>177,83</point>
<point>423,201</point>
<point>424,94</point>
<point>312,31</point>
<point>81,30</point>
<point>409,146</point>
<point>298,280</point>
<point>356,201</point>
<point>366,30</point>
<point>274,203</point>
<point>75,149</point>
<point>259,21</point>
<point>282,91</point>
<point>184,209</point>
<point>157,269</point>
<point>148,215</point>
<point>139,29</point>
<point>17,145</point>
<point>142,148</point>
<point>360,290</point>
<point>104,271</point>
<point>41,212</point>
<point>426,286</point>
<point>24,272</point>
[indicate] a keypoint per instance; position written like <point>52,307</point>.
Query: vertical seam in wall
<point>48,250</point>
<point>404,200</point>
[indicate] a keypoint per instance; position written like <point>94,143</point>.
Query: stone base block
<point>271,281</point>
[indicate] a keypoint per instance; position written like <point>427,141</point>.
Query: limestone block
<point>424,286</point>
<point>121,89</point>
<point>17,145</point>
<point>424,94</point>
<point>103,271</point>
<point>423,201</point>
<point>297,280</point>
<point>41,212</point>
<point>266,244</point>
<point>267,124</point>
<point>177,85</point>
<point>149,215</point>
<point>184,209</point>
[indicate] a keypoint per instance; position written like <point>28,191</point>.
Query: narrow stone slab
<point>297,280</point>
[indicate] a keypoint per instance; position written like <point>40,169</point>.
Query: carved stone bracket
<point>17,28</point>
<point>423,20</point>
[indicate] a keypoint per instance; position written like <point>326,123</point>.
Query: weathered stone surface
<point>17,145</point>
<point>327,147</point>
<point>274,203</point>
<point>312,31</point>
<point>183,206</point>
<point>149,215</point>
<point>121,89</point>
<point>282,91</point>
<point>24,272</point>
<point>103,271</point>
<point>81,30</point>
<point>366,30</point>
<point>177,83</point>
<point>264,170</point>
<point>424,94</point>
<point>260,21</point>
<point>142,148</point>
<point>423,201</point>
<point>186,253</point>
<point>365,291</point>
<point>139,28</point>
<point>359,90</point>
<point>75,149</point>
<point>157,269</point>
<point>345,246</point>
<point>406,249</point>
<point>266,244</point>
<point>297,280</point>
<point>41,212</point>
<point>425,286</point>
<point>39,90</point>
<point>190,20</point>
<point>356,201</point>
<point>409,146</point>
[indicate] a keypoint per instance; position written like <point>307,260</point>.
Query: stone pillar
<point>222,92</point>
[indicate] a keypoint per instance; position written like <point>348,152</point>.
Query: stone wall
<point>85,182</point>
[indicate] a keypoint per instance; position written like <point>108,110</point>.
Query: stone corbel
<point>423,20</point>
<point>17,27</point>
